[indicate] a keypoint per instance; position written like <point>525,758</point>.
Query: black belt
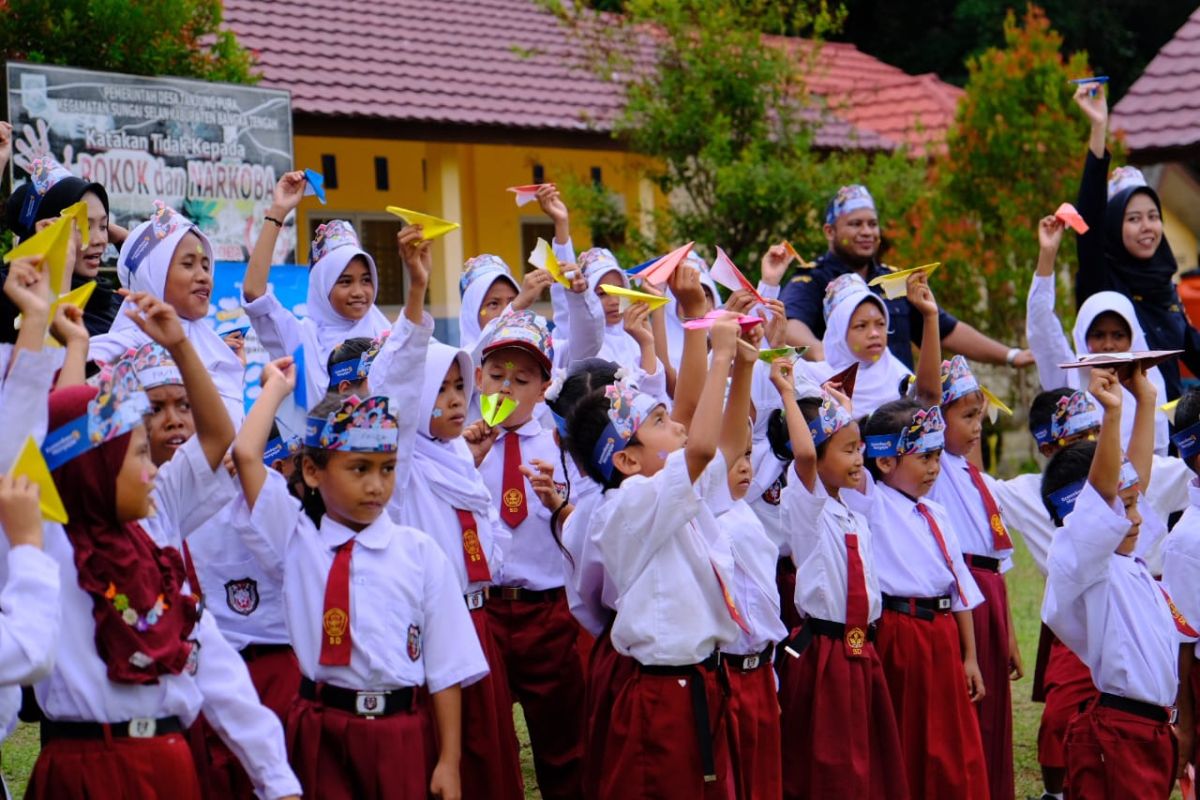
<point>982,562</point>
<point>525,595</point>
<point>798,643</point>
<point>362,703</point>
<point>699,695</point>
<point>920,607</point>
<point>253,651</point>
<point>133,729</point>
<point>1147,710</point>
<point>751,662</point>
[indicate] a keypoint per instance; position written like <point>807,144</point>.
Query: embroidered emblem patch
<point>855,639</point>
<point>334,622</point>
<point>513,499</point>
<point>242,596</point>
<point>414,642</point>
<point>773,493</point>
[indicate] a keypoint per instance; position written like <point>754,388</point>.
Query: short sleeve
<point>189,492</point>
<point>452,655</point>
<point>1081,548</point>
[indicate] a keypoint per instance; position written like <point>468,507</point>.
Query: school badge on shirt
<point>414,642</point>
<point>242,596</point>
<point>773,493</point>
<point>334,621</point>
<point>513,499</point>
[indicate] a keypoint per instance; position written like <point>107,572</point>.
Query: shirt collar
<point>374,537</point>
<point>530,428</point>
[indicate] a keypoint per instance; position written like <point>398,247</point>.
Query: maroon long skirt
<point>995,710</point>
<point>491,759</point>
<point>754,733</point>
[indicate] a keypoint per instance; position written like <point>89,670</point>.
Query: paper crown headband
<point>358,426</point>
<point>1123,178</point>
<point>44,173</point>
<point>957,380</point>
<point>118,407</point>
<point>281,447</point>
<point>330,236</point>
<point>848,198</point>
<point>153,366</point>
<point>1073,415</point>
<point>830,419</point>
<point>1064,499</point>
<point>598,260</point>
<point>628,408</point>
<point>1188,441</point>
<point>163,223</point>
<point>356,369</point>
<point>480,266</point>
<point>841,287</point>
<point>526,331</point>
<point>925,434</point>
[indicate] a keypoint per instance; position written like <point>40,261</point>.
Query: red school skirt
<point>607,672</point>
<point>938,726</point>
<point>839,730</point>
<point>1115,754</point>
<point>991,651</point>
<point>754,746</point>
<point>491,760</point>
<point>1067,686</point>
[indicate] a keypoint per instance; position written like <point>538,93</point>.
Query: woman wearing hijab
<point>1124,249</point>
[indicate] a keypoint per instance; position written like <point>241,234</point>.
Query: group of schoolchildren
<point>703,565</point>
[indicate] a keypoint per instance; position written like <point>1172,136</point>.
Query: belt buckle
<point>510,593</point>
<point>142,728</point>
<point>1172,714</point>
<point>750,662</point>
<point>370,704</point>
<point>474,600</point>
<point>943,604</point>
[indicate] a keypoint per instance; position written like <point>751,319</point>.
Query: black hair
<point>1069,465</point>
<point>349,350</point>
<point>586,423</point>
<point>887,420</point>
<point>311,499</point>
<point>1187,414</point>
<point>777,430</point>
<point>1042,409</point>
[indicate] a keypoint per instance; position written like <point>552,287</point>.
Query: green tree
<point>142,37</point>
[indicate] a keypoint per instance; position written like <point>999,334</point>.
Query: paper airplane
<point>1095,79</point>
<point>52,242</point>
<point>770,355</point>
<point>895,284</point>
<point>300,393</point>
<point>1070,217</point>
<point>792,252</point>
<point>726,273</point>
<point>495,408</point>
<point>432,227</point>
<point>79,213</point>
<point>661,270</point>
<point>1123,363</point>
<point>543,257</point>
<point>634,296</point>
<point>994,405</point>
<point>32,464</point>
<point>315,185</point>
<point>527,193</point>
<point>1169,410</point>
<point>706,322</point>
<point>846,379</point>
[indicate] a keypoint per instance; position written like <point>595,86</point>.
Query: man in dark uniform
<point>852,230</point>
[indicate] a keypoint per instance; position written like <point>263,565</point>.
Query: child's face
<point>1129,499</point>
<point>1109,333</point>
<point>912,474</point>
<point>135,481</point>
<point>840,465</point>
<point>170,423</point>
<point>964,423</point>
<point>353,293</point>
<point>189,279</point>
<point>512,372</point>
<point>866,335</point>
<point>610,302</point>
<point>355,487</point>
<point>450,409</point>
<point>656,438</point>
<point>498,297</point>
<point>741,471</point>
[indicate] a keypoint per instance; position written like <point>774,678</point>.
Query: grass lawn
<point>1025,595</point>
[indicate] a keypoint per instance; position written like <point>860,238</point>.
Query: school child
<point>171,259</point>
<point>623,343</point>
<point>373,608</point>
<point>672,568</point>
<point>1105,323</point>
<point>526,605</point>
<point>674,314</point>
<point>342,286</point>
<point>349,364</point>
<point>1107,608</point>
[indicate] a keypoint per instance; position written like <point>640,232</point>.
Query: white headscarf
<point>619,346</point>
<point>142,267</point>
<point>1119,304</point>
<point>878,382</point>
<point>481,272</point>
<point>675,327</point>
<point>331,328</point>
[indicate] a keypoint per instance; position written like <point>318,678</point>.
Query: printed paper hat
<point>526,331</point>
<point>163,223</point>
<point>357,369</point>
<point>154,366</point>
<point>44,172</point>
<point>481,266</point>
<point>1123,178</point>
<point>628,408</point>
<point>848,198</point>
<point>1129,476</point>
<point>1188,441</point>
<point>330,236</point>
<point>281,448</point>
<point>1064,499</point>
<point>543,257</point>
<point>924,435</point>
<point>957,380</point>
<point>597,261</point>
<point>118,407</point>
<point>359,426</point>
<point>830,419</point>
<point>841,287</point>
<point>1074,415</point>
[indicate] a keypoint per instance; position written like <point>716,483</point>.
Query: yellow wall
<point>464,183</point>
<point>1182,239</point>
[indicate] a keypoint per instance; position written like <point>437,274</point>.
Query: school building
<point>439,106</point>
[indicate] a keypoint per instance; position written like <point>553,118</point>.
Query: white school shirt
<point>659,543</point>
<point>754,559</point>
<point>818,524</point>
<point>908,561</point>
<point>766,492</point>
<point>1020,501</point>
<point>533,560</point>
<point>187,494</point>
<point>591,594</point>
<point>408,623</point>
<point>956,493</point>
<point>1108,608</point>
<point>1181,560</point>
<point>578,318</point>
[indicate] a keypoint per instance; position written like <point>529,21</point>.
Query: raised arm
<point>278,381</point>
<point>804,453</point>
<point>1045,333</point>
<point>1093,192</point>
<point>1140,451</point>
<point>418,260</point>
<point>706,423</point>
<point>1105,473</point>
<point>736,422</point>
<point>685,285</point>
<point>929,362</point>
<point>28,287</point>
<point>288,193</point>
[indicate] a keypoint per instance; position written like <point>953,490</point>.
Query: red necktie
<point>734,614</point>
<point>473,555</point>
<point>513,509</point>
<point>335,622</point>
<point>1000,537</point>
<point>1181,622</point>
<point>937,534</point>
<point>857,607</point>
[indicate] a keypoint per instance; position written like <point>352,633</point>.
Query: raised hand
<point>1094,106</point>
<point>920,296</point>
<point>689,293</point>
<point>28,287</point>
<point>416,252</point>
<point>289,191</point>
<point>636,320</point>
<point>775,263</point>
<point>67,326</point>
<point>1104,386</point>
<point>156,318</point>
<point>536,281</point>
<point>552,203</point>
<point>20,515</point>
<point>279,375</point>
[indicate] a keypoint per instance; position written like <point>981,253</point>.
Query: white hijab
<point>675,327</point>
<point>482,272</point>
<point>618,347</point>
<point>142,267</point>
<point>878,382</point>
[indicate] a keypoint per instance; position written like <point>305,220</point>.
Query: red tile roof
<point>1162,108</point>
<point>506,64</point>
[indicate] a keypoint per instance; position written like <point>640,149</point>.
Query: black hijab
<point>1144,280</point>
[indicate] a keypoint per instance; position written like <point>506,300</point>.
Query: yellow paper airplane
<point>432,227</point>
<point>79,212</point>
<point>895,284</point>
<point>543,257</point>
<point>77,297</point>
<point>494,408</point>
<point>1169,410</point>
<point>52,243</point>
<point>994,406</point>
<point>31,464</point>
<point>634,296</point>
